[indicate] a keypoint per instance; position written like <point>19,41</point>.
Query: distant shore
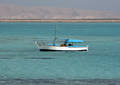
<point>59,20</point>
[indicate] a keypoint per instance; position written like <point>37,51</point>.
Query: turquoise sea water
<point>21,59</point>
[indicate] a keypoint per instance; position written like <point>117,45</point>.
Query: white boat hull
<point>59,48</point>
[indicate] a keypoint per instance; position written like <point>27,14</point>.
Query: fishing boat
<point>68,45</point>
<point>62,45</point>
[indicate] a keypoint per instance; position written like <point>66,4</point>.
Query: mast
<point>54,43</point>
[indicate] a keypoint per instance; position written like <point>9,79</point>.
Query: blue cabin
<point>73,41</point>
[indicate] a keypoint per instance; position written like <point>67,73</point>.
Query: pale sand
<point>59,20</point>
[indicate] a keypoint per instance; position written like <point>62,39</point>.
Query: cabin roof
<point>74,41</point>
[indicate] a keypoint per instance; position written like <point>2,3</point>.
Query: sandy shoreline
<point>59,20</point>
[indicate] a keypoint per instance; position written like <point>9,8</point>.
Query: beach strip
<point>60,20</point>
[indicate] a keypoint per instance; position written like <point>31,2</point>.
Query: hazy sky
<point>103,5</point>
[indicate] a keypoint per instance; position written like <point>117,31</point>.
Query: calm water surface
<point>21,59</point>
